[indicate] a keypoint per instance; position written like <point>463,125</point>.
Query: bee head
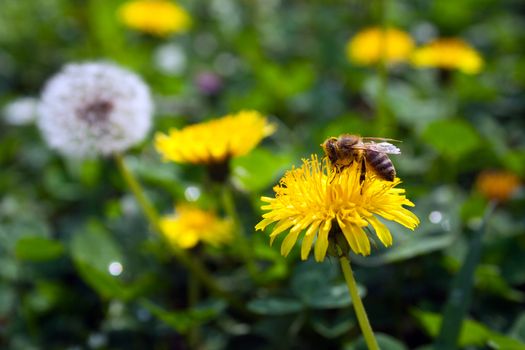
<point>330,148</point>
<point>329,144</point>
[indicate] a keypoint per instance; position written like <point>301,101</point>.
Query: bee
<point>346,149</point>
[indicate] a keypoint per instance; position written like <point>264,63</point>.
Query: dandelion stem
<point>139,194</point>
<point>459,299</point>
<point>362,317</point>
<point>193,299</point>
<point>244,244</point>
<point>381,103</point>
<point>194,266</point>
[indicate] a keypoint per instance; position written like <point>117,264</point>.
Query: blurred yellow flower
<point>214,141</point>
<point>190,225</point>
<point>451,53</point>
<point>157,17</point>
<point>497,185</point>
<point>370,45</point>
<point>326,203</point>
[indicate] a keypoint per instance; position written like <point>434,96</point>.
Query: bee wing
<point>380,139</point>
<point>382,147</point>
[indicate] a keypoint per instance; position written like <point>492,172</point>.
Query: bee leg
<point>363,171</point>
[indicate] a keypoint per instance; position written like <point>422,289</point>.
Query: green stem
<point>138,192</point>
<point>245,246</point>
<point>459,298</point>
<point>360,312</point>
<point>194,266</point>
<point>382,117</point>
<point>193,299</point>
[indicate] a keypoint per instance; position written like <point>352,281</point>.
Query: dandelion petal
<point>382,231</point>
<point>321,245</point>
<point>308,240</point>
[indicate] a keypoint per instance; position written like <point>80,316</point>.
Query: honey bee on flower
<point>346,149</point>
<point>327,202</point>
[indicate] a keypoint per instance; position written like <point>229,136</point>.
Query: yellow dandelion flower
<point>214,141</point>
<point>451,53</point>
<point>157,17</point>
<point>497,185</point>
<point>370,45</point>
<point>324,203</point>
<point>191,225</point>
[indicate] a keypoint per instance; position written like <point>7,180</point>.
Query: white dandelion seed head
<point>94,108</point>
<point>21,111</point>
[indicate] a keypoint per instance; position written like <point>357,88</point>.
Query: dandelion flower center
<point>315,198</point>
<point>96,112</point>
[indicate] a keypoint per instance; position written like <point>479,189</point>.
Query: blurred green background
<point>64,222</point>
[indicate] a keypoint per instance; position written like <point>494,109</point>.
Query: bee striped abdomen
<point>381,164</point>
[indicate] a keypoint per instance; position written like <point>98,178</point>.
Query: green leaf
<point>384,341</point>
<point>38,248</point>
<point>330,327</point>
<point>331,296</point>
<point>44,297</point>
<point>404,99</point>
<point>182,321</point>
<point>315,284</point>
<point>106,285</point>
<point>87,171</point>
<point>452,138</point>
<point>59,186</point>
<point>488,277</point>
<point>93,250</point>
<point>473,207</point>
<point>96,247</point>
<point>299,77</point>
<point>472,332</point>
<point>275,306</point>
<point>515,160</point>
<point>259,169</point>
<point>408,249</point>
<point>277,265</point>
<point>7,300</point>
<point>518,328</point>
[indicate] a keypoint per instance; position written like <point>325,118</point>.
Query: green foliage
<point>183,321</point>
<point>81,267</point>
<point>384,341</point>
<point>93,250</point>
<point>518,329</point>
<point>315,287</point>
<point>452,138</point>
<point>472,332</point>
<point>260,169</point>
<point>275,306</point>
<point>38,248</point>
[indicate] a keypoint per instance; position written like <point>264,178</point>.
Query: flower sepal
<point>337,244</point>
